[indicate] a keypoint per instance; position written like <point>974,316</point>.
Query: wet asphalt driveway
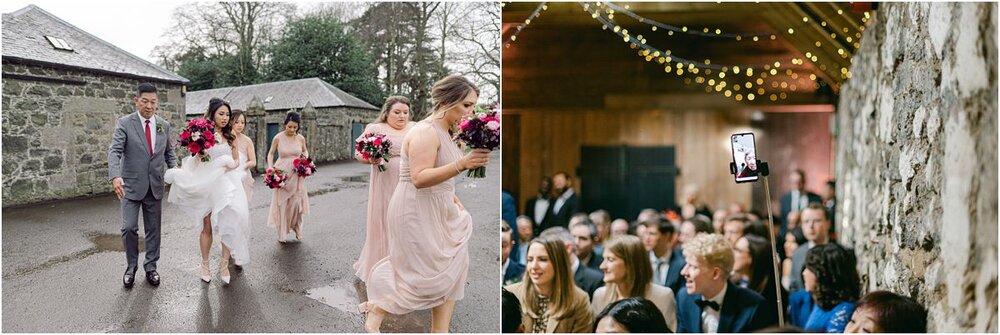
<point>63,262</point>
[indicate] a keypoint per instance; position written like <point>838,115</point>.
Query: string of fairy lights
<point>742,82</point>
<point>534,15</point>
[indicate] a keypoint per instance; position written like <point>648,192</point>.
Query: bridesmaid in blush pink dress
<point>393,122</point>
<point>290,202</point>
<point>428,227</point>
<point>248,155</point>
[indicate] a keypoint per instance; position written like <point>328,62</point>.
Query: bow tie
<point>707,303</point>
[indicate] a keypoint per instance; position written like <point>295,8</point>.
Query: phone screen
<point>745,157</point>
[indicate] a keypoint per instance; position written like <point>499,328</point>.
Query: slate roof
<point>24,39</point>
<point>284,95</point>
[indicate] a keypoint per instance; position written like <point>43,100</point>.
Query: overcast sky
<point>136,27</point>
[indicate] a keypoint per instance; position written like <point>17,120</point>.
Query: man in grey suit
<point>139,154</point>
<point>815,222</point>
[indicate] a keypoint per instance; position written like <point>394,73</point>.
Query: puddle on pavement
<point>346,297</point>
<point>323,191</point>
<point>342,298</point>
<point>102,243</point>
<point>113,242</point>
<point>356,179</point>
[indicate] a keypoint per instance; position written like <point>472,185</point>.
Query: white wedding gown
<point>203,188</point>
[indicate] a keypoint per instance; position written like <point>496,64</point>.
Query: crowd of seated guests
<point>689,270</point>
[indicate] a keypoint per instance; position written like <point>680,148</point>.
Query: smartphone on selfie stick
<point>746,168</point>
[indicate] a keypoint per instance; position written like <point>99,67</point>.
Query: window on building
<point>58,43</point>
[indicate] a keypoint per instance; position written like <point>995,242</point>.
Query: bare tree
<point>235,33</point>
<point>477,46</point>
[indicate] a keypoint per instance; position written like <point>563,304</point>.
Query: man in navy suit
<point>709,303</point>
<point>512,270</point>
<point>667,261</point>
<point>797,199</point>
<point>585,232</point>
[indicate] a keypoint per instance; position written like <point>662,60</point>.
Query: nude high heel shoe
<point>206,275</point>
<point>224,270</point>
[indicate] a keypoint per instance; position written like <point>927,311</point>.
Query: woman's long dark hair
<point>638,315</point>
<point>836,273</point>
<point>762,268</point>
<point>227,131</point>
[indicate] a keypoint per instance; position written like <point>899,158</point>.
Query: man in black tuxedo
<point>537,208</point>
<point>797,199</point>
<point>586,279</point>
<point>667,261</point>
<point>565,203</point>
<point>709,303</point>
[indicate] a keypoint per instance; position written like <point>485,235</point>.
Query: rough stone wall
<point>334,135</point>
<point>916,159</point>
<point>56,136</point>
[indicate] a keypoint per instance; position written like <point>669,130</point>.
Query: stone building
<point>63,89</point>
<point>917,167</point>
<point>331,118</point>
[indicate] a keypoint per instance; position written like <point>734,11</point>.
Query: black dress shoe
<point>153,278</point>
<point>128,280</point>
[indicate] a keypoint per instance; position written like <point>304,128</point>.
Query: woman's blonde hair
<point>563,286</point>
<point>638,269</point>
<point>713,249</point>
<point>387,106</point>
<point>450,91</point>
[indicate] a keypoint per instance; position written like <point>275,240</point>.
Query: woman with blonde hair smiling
<point>628,274</point>
<point>550,301</point>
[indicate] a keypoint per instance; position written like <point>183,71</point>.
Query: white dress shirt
<point>522,250</point>
<point>541,206</point>
<point>562,200</point>
<point>709,316</point>
<point>152,128</point>
<point>664,267</point>
<point>503,270</point>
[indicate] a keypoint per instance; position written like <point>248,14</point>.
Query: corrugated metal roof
<point>283,95</point>
<point>24,38</point>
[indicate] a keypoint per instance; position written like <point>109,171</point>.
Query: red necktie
<point>148,139</point>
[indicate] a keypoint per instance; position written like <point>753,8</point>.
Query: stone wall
<point>56,135</point>
<point>916,159</point>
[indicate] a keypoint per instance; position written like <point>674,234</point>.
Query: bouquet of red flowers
<point>198,137</point>
<point>275,178</point>
<point>374,148</point>
<point>480,131</point>
<point>304,166</point>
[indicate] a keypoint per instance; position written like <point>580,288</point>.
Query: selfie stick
<point>763,171</point>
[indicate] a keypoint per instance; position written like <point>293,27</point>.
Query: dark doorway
<point>357,129</point>
<point>272,131</point>
<point>624,180</point>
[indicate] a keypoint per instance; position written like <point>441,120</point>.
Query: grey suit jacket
<point>798,262</point>
<point>129,158</point>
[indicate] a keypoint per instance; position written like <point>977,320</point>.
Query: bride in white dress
<point>213,192</point>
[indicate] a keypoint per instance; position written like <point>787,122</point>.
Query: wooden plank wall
<point>550,140</point>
